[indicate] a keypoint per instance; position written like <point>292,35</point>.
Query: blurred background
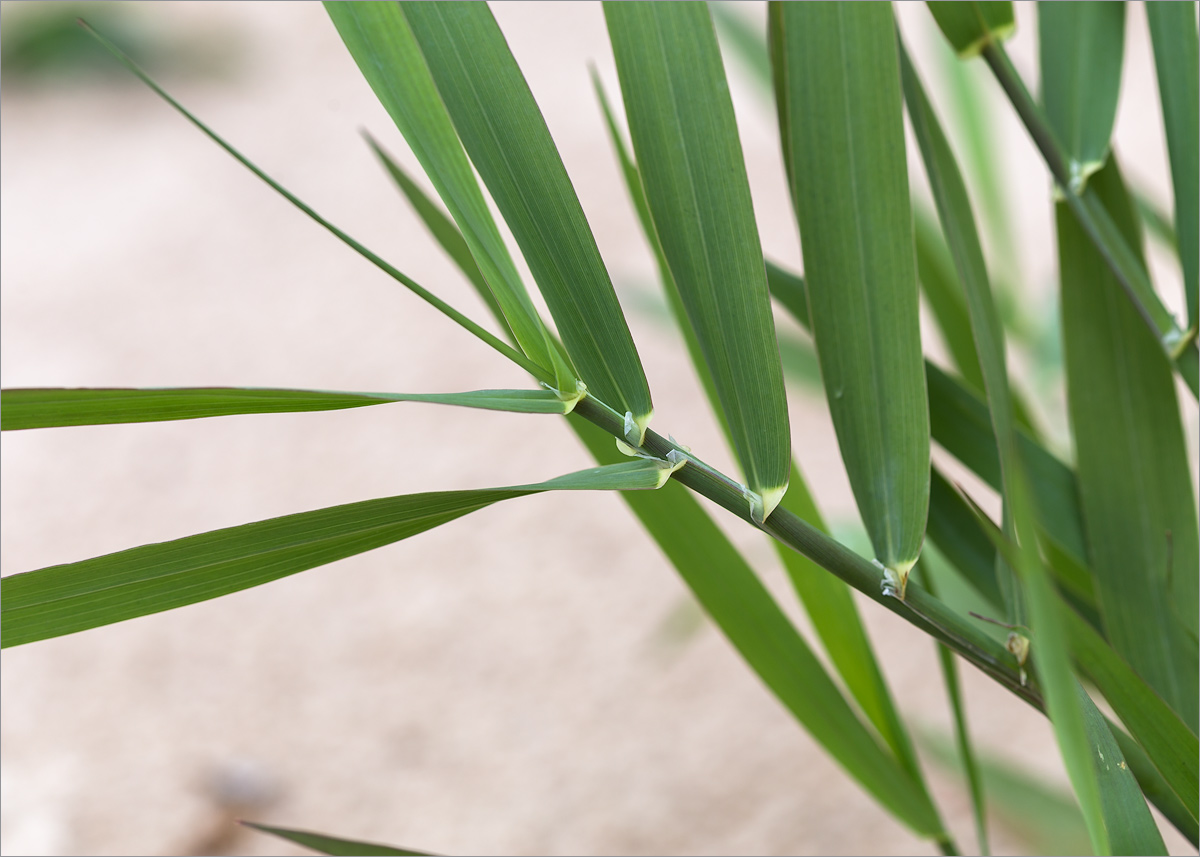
<point>531,679</point>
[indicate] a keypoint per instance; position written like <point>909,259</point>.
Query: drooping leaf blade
<point>686,142</point>
<point>969,26</point>
<point>65,599</point>
<point>382,44</point>
<point>748,615</point>
<point>850,190</point>
<point>46,407</point>
<point>506,137</point>
<point>333,845</point>
<point>1134,484</point>
<point>1177,60</point>
<point>1081,48</point>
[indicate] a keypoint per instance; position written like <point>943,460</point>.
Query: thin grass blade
<point>958,225</point>
<point>1134,484</point>
<point>507,139</point>
<point>382,44</point>
<point>443,230</point>
<point>333,845</point>
<point>962,736</point>
<point>48,407</point>
<point>740,605</point>
<point>970,26</point>
<point>849,184</point>
<point>686,142</point>
<point>433,300</point>
<point>65,599</point>
<point>1081,47</point>
<point>1177,60</point>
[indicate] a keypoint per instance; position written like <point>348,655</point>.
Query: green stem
<point>919,607</point>
<point>1179,345</point>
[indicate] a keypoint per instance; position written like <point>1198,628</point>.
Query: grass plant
<point>1093,565</point>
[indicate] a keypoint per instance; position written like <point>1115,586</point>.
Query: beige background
<point>510,683</point>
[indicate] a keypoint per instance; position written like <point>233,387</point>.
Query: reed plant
<point>1092,567</point>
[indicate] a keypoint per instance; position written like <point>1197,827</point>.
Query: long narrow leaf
<point>1130,446</point>
<point>1177,60</point>
<point>690,158</point>
<point>333,845</point>
<point>65,599</point>
<point>958,225</point>
<point>849,180</point>
<point>416,288</point>
<point>443,230</point>
<point>503,131</point>
<point>46,407</point>
<point>740,605</point>
<point>382,44</point>
<point>1082,45</point>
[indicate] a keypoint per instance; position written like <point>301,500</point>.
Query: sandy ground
<point>507,684</point>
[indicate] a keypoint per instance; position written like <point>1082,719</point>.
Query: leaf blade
<point>73,597</point>
<point>850,191</point>
<point>690,160</point>
<point>324,844</point>
<point>502,129</point>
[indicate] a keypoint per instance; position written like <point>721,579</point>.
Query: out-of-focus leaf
<point>970,26</point>
<point>1134,484</point>
<point>323,844</point>
<point>690,159</point>
<point>840,75</point>
<point>65,599</point>
<point>46,407</point>
<point>1177,59</point>
<point>506,137</point>
<point>740,605</point>
<point>1082,45</point>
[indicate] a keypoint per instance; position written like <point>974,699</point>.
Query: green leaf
<point>685,139</point>
<point>1134,484</point>
<point>443,230</point>
<point>65,599</point>
<point>849,183</point>
<point>953,529</point>
<point>1127,819</point>
<point>1097,222</point>
<point>33,407</point>
<point>507,139</point>
<point>416,288</point>
<point>1155,787</point>
<point>1049,649</point>
<point>942,290</point>
<point>382,44</point>
<point>970,26</point>
<point>958,225</point>
<point>962,737</point>
<point>746,613</point>
<point>1177,60</point>
<point>323,844</point>
<point>1081,46</point>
